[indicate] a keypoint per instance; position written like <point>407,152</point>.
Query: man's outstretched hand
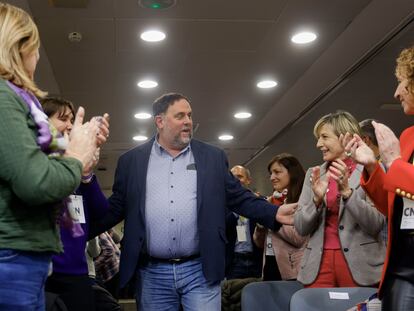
<point>285,213</point>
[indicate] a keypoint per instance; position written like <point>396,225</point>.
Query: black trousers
<point>271,270</point>
<point>112,286</point>
<point>398,294</point>
<point>75,291</point>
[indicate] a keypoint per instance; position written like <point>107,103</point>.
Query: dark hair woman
<point>283,249</point>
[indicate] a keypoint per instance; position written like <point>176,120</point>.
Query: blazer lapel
<point>142,158</point>
<point>323,171</point>
<point>200,161</point>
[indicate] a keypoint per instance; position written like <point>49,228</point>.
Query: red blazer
<point>383,187</point>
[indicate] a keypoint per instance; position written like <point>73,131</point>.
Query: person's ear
<point>159,121</point>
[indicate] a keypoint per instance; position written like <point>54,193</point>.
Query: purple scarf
<point>44,137</point>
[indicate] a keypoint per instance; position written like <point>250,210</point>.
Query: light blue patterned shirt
<point>171,204</point>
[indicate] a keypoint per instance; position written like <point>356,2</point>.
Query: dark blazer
<point>216,189</point>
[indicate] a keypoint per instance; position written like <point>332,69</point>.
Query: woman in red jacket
<point>393,192</point>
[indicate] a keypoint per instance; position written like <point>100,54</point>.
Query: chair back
<point>321,299</point>
<point>270,295</point>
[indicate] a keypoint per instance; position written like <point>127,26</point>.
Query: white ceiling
<point>215,53</point>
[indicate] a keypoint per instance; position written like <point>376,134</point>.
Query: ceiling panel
<point>215,52</point>
<point>201,9</point>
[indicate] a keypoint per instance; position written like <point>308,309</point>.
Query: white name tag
<point>75,208</point>
<point>338,295</point>
<point>407,221</point>
<point>241,233</point>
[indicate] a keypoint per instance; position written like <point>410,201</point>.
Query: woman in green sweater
<point>37,172</point>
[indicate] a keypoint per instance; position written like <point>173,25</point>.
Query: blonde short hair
<point>342,122</point>
<point>18,34</point>
<point>405,67</point>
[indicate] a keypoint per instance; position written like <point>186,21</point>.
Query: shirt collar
<point>161,150</point>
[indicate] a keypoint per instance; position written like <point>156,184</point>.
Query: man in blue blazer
<point>172,193</point>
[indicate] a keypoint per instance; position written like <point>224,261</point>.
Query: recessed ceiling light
<point>304,37</point>
<point>140,138</point>
<point>266,84</point>
<point>153,36</point>
<point>142,115</point>
<point>242,115</point>
<point>147,84</point>
<point>226,137</point>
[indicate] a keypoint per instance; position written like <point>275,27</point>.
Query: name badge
<point>75,208</point>
<point>339,295</point>
<point>241,233</point>
<point>407,221</point>
<point>269,246</point>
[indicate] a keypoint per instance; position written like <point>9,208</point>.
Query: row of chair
<point>291,296</point>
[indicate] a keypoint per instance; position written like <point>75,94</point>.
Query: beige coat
<point>359,227</point>
<point>288,247</point>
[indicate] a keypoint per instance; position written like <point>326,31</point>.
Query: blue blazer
<point>216,189</point>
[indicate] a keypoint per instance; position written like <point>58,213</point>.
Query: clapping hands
<point>86,137</point>
<point>319,185</point>
<point>388,144</point>
<point>359,151</point>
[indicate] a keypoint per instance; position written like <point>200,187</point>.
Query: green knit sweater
<point>30,183</point>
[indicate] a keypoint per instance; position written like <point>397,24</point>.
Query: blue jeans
<point>22,280</point>
<point>166,286</point>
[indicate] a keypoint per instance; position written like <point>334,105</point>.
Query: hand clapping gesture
<point>101,137</point>
<point>340,173</point>
<point>85,138</point>
<point>319,185</point>
<point>357,149</point>
<point>388,144</point>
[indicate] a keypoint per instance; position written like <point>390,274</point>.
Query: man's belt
<point>173,260</point>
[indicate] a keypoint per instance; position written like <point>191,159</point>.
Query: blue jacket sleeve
<point>115,213</point>
<point>244,202</point>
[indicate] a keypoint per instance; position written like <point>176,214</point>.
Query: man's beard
<point>181,143</point>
